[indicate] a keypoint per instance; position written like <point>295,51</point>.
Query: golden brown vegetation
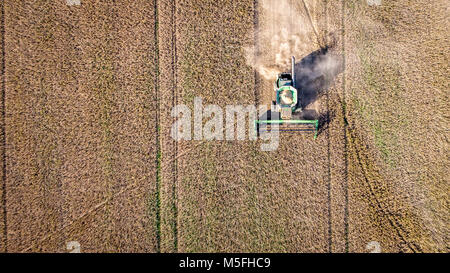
<point>80,128</point>
<point>87,113</point>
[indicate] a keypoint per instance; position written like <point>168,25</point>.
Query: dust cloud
<point>284,31</point>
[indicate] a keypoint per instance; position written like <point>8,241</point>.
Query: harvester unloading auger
<point>286,111</point>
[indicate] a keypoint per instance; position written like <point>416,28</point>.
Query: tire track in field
<point>327,102</point>
<point>344,113</point>
<point>158,134</point>
<point>256,46</point>
<point>3,126</point>
<point>175,102</point>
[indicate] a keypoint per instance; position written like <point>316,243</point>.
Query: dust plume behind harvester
<point>286,113</point>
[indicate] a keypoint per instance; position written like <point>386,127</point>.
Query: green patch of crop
<point>105,89</point>
<point>382,140</point>
<point>381,108</point>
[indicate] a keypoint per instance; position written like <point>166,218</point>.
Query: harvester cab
<point>284,79</point>
<point>286,111</point>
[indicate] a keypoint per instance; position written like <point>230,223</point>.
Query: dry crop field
<point>88,159</point>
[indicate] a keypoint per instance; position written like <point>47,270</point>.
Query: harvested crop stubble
<point>167,99</point>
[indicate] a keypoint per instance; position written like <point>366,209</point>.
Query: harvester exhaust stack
<point>286,111</point>
<point>293,71</point>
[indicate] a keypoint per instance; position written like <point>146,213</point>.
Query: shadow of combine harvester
<point>312,77</point>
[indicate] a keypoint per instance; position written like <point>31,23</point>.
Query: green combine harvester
<point>286,112</point>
